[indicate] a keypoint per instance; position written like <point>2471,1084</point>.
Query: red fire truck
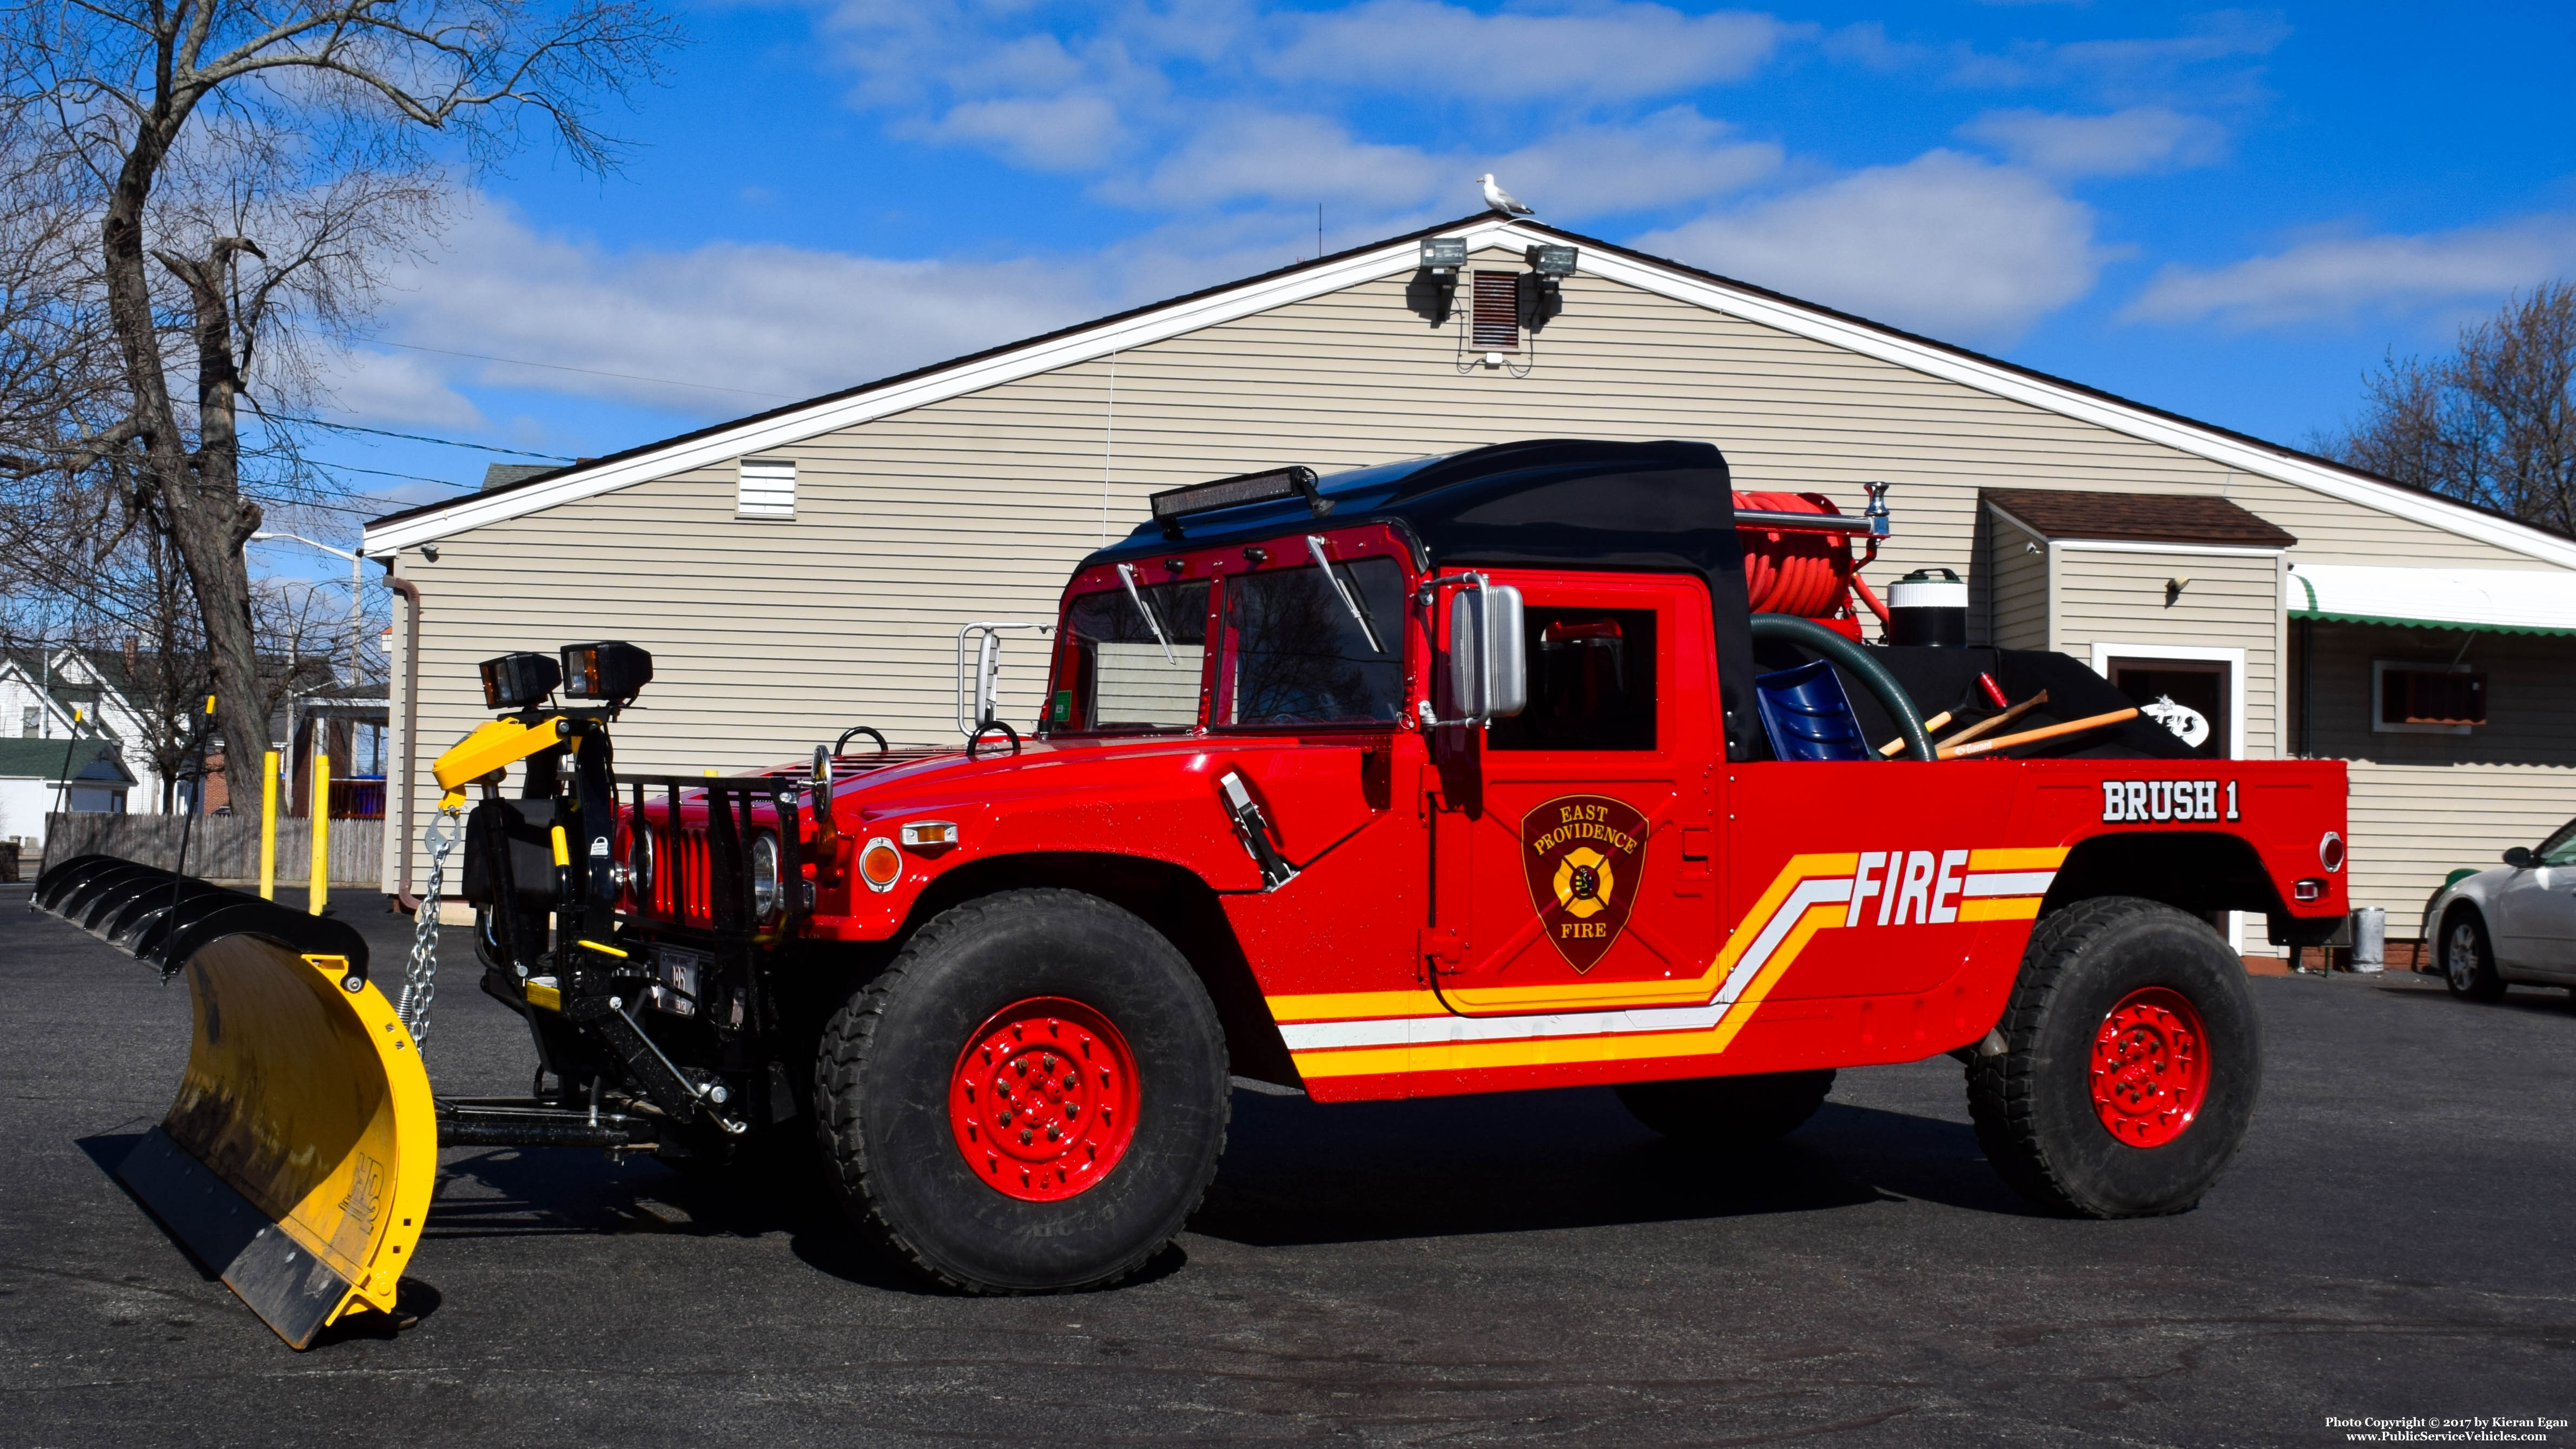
<point>1547,764</point>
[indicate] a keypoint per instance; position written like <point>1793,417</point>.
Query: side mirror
<point>1488,655</point>
<point>2519,857</point>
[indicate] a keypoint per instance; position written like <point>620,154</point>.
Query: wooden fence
<point>222,848</point>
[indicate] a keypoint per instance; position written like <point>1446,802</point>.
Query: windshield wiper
<point>1350,597</point>
<point>1153,621</point>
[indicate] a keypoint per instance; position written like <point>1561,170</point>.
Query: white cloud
<point>388,387</point>
<point>1611,50</point>
<point>1943,244</point>
<point>1057,133</point>
<point>2336,277</point>
<point>1673,157</point>
<point>2142,138</point>
<point>1284,158</point>
<point>751,326</point>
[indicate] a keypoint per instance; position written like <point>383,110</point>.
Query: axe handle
<point>2044,732</point>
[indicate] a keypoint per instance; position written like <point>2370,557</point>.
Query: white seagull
<point>1501,200</point>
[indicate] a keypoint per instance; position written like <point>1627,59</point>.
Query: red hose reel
<point>1807,572</point>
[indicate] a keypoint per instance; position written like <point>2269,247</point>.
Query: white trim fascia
<point>2125,545</point>
<point>2106,650</point>
<point>1157,325</point>
<point>785,429</point>
<point>2058,398</point>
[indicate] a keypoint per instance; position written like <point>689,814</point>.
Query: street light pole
<point>357,639</point>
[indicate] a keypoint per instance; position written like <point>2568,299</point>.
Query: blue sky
<point>2229,213</point>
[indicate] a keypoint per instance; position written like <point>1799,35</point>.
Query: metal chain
<point>420,982</point>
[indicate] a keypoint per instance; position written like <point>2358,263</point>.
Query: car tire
<point>2132,1059</point>
<point>1072,1173</point>
<point>1728,1112</point>
<point>2468,956</point>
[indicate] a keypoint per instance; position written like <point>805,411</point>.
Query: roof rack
<point>1296,480</point>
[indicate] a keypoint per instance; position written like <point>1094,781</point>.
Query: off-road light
<point>880,865</point>
<point>610,669</point>
<point>1174,504</point>
<point>767,893</point>
<point>930,834</point>
<point>1446,253</point>
<point>515,681</point>
<point>2330,852</point>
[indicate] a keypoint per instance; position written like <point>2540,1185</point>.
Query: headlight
<point>768,895</point>
<point>642,855</point>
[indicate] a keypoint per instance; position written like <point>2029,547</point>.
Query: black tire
<point>2033,1103</point>
<point>1728,1112</point>
<point>2468,956</point>
<point>882,1082</point>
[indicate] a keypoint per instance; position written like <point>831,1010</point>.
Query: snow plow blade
<point>299,1158</point>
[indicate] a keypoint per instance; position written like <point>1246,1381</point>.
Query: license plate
<point>678,975</point>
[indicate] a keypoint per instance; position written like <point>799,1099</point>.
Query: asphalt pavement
<point>2394,1241</point>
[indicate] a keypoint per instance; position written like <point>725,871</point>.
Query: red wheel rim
<point>1043,1100</point>
<point>2150,1067</point>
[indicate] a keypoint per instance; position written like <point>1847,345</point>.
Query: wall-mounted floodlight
<point>1432,294</point>
<point>1552,261</point>
<point>1536,290</point>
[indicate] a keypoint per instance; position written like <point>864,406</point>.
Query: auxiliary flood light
<point>609,669</point>
<point>515,681</point>
<point>1551,260</point>
<point>1444,255</point>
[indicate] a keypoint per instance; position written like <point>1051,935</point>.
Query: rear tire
<point>2132,1058</point>
<point>1090,985</point>
<point>1728,1112</point>
<point>2468,957</point>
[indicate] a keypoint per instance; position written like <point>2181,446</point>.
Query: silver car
<point>2514,923</point>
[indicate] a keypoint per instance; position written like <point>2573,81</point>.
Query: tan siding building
<point>967,492</point>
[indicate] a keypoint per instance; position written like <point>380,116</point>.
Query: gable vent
<point>767,489</point>
<point>1497,325</point>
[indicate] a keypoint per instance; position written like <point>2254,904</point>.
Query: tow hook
<point>1253,829</point>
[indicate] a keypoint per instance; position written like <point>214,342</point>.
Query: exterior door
<point>1577,836</point>
<point>2535,922</point>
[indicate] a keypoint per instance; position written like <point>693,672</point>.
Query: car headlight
<point>768,893</point>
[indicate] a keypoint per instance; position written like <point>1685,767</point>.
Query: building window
<point>2196,692</point>
<point>2425,699</point>
<point>31,723</point>
<point>767,489</point>
<point>1498,312</point>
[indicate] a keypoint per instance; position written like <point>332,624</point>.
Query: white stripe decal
<point>2011,883</point>
<point>1808,893</point>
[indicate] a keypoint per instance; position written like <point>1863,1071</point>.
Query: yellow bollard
<point>319,891</point>
<point>268,829</point>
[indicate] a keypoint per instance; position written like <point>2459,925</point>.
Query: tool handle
<point>1992,723</point>
<point>2044,732</point>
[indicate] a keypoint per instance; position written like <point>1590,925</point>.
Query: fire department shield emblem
<point>1585,855</point>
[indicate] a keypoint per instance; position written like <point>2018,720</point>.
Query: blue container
<point>1807,715</point>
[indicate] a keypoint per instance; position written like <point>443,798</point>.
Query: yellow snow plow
<point>299,1158</point>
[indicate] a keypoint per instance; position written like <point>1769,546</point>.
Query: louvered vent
<point>767,489</point>
<point>1498,312</point>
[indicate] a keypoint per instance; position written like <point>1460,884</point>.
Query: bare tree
<point>2493,423</point>
<point>247,166</point>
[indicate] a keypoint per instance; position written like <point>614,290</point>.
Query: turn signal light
<point>880,865</point>
<point>2309,890</point>
<point>930,834</point>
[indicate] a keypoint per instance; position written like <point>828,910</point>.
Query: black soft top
<point>1665,507</point>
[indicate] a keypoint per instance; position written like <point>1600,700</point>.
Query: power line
<point>422,438</point>
<point>381,473</point>
<point>584,371</point>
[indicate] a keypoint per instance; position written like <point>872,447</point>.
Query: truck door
<point>1573,845</point>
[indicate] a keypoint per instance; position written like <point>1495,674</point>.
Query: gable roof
<point>94,761</point>
<point>795,422</point>
<point>2137,517</point>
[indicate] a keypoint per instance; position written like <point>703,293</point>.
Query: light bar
<point>1174,504</point>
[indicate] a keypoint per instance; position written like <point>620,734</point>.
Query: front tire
<point>1728,1112</point>
<point>2132,1058</point>
<point>2468,957</point>
<point>1031,1098</point>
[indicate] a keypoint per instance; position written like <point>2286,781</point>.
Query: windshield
<point>1301,652</point>
<point>1113,673</point>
